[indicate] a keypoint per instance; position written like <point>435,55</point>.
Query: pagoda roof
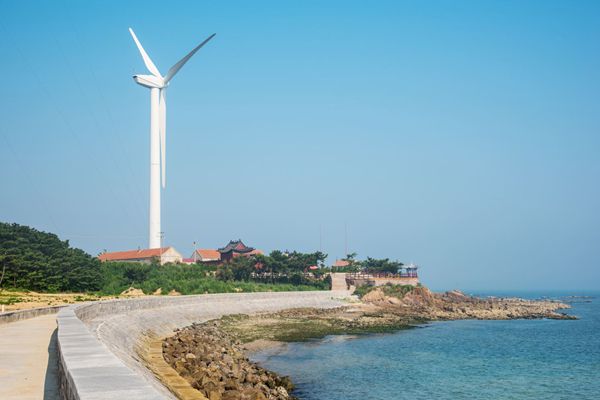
<point>237,246</point>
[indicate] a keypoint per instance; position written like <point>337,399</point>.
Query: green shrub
<point>389,289</point>
<point>10,301</point>
<point>363,290</point>
<point>396,290</point>
<point>185,279</point>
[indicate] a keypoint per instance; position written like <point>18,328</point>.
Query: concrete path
<point>28,359</point>
<point>338,281</point>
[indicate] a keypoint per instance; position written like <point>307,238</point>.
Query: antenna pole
<point>320,238</point>
<point>345,239</point>
<point>162,235</point>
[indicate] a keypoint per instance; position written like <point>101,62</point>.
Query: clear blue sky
<point>463,136</point>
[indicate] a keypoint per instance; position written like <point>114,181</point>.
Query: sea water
<point>517,359</point>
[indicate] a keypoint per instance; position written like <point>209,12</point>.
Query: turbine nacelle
<point>150,81</point>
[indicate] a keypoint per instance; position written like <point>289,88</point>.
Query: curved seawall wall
<point>18,315</point>
<point>100,343</point>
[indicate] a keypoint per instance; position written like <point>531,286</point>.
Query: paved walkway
<point>28,359</point>
<point>338,281</point>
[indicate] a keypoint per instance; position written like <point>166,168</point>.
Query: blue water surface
<point>519,359</point>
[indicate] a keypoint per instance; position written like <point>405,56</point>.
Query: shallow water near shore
<point>518,359</point>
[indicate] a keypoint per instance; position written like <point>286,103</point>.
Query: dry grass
<point>15,300</point>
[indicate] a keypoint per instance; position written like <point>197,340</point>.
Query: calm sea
<point>521,359</point>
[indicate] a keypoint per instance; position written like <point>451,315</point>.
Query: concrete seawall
<point>100,343</point>
<point>18,315</point>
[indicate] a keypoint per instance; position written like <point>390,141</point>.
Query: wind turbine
<point>158,122</point>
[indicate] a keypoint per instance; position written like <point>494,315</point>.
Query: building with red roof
<point>162,255</point>
<point>206,256</point>
<point>341,263</point>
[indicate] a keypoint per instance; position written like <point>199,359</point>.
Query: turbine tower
<point>158,122</point>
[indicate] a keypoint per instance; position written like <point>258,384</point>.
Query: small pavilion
<point>411,271</point>
<point>235,248</point>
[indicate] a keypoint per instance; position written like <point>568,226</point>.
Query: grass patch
<point>80,298</point>
<point>9,301</point>
<point>389,289</point>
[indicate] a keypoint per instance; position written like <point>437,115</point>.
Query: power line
<point>105,105</point>
<point>57,108</point>
<point>83,94</point>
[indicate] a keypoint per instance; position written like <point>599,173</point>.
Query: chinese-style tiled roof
<point>132,254</point>
<point>237,246</point>
<point>249,253</point>
<point>208,254</point>
<point>341,263</point>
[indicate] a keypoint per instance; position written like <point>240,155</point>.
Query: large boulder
<point>375,295</point>
<point>419,296</point>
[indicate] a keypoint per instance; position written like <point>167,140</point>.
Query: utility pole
<point>345,239</point>
<point>162,236</point>
<point>320,238</point>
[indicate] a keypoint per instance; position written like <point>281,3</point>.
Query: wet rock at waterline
<point>215,364</point>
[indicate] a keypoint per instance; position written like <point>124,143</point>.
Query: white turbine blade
<point>149,64</point>
<point>162,115</point>
<point>173,70</point>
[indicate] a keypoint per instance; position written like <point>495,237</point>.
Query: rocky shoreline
<point>421,302</point>
<point>212,356</point>
<point>214,363</point>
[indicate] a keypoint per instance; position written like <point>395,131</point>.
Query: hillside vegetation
<point>39,261</point>
<point>186,279</point>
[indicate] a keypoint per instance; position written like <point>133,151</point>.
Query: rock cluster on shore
<point>421,302</point>
<point>215,364</point>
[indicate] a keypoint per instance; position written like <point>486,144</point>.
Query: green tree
<point>383,265</point>
<point>277,267</point>
<point>40,261</point>
<point>351,257</point>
